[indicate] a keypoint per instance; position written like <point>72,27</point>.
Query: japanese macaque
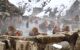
<point>13,32</point>
<point>56,29</point>
<point>66,28</point>
<point>35,32</point>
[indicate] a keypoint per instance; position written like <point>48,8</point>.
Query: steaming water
<point>26,30</point>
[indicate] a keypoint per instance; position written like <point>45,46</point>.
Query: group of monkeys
<point>70,38</point>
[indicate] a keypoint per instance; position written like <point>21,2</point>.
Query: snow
<point>52,4</point>
<point>57,46</point>
<point>40,15</point>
